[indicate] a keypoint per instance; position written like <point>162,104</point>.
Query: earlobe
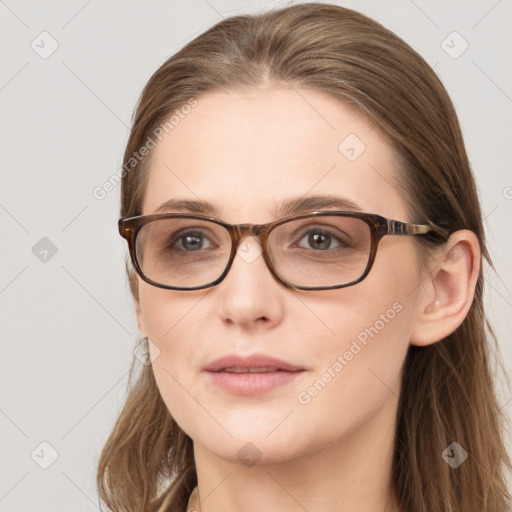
<point>452,283</point>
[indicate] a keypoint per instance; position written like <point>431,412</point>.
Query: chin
<point>250,453</point>
<point>251,445</point>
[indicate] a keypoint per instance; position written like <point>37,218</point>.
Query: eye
<point>322,239</point>
<point>189,241</point>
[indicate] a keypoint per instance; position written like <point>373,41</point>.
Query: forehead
<point>247,153</point>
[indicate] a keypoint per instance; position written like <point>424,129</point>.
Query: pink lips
<point>251,375</point>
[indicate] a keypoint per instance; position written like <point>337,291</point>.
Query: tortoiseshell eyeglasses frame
<point>379,226</point>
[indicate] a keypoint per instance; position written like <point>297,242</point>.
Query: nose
<point>250,293</point>
<point>249,249</point>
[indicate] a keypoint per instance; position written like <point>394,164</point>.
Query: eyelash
<point>181,235</point>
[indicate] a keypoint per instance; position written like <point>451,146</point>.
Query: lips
<point>256,363</point>
<point>251,376</point>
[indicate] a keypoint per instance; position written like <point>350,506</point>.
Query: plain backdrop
<point>71,73</point>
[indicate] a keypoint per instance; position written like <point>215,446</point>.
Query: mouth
<point>251,364</point>
<point>266,369</point>
<point>251,376</point>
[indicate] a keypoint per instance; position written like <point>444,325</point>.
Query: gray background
<point>68,330</point>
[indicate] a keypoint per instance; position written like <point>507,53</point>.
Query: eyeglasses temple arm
<point>396,227</point>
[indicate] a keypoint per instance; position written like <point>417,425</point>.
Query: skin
<point>246,152</point>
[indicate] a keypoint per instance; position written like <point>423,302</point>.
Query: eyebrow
<point>293,206</point>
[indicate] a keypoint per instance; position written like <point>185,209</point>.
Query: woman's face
<point>246,153</point>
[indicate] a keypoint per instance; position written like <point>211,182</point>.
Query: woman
<point>335,358</point>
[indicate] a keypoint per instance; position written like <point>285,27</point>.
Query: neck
<point>352,475</point>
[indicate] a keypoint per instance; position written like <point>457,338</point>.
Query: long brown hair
<point>447,393</point>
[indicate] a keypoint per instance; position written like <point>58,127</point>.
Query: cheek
<point>370,328</point>
<point>359,374</point>
<point>168,319</point>
<point>370,341</point>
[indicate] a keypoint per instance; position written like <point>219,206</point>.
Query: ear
<point>451,289</point>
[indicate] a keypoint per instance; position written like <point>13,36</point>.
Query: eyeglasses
<point>320,250</point>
